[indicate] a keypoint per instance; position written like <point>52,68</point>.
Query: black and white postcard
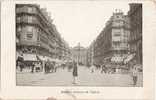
<point>78,49</point>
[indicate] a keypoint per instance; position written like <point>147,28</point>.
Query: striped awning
<point>117,59</point>
<point>129,58</point>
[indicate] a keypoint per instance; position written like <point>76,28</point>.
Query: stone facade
<point>135,15</point>
<point>113,41</point>
<point>79,54</point>
<point>36,34</point>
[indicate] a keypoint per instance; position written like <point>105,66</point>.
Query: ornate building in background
<point>79,54</point>
<point>120,32</point>
<point>37,35</point>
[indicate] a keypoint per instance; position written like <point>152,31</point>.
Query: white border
<point>9,89</point>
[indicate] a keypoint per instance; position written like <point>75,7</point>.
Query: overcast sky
<point>82,21</point>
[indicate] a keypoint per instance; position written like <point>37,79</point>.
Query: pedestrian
<point>45,67</point>
<point>55,66</point>
<point>38,67</point>
<point>43,64</point>
<point>48,66</point>
<point>32,67</point>
<point>75,73</point>
<point>103,69</point>
<point>52,67</point>
<point>92,68</point>
<point>21,65</point>
<point>20,61</point>
<point>134,74</point>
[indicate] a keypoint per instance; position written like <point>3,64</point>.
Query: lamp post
<point>78,53</point>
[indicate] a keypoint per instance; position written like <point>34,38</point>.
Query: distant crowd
<point>46,66</point>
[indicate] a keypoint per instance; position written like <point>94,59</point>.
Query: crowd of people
<point>52,66</point>
<point>103,69</point>
<point>133,69</point>
<point>46,66</point>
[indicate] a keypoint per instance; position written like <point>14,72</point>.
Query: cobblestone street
<point>85,78</point>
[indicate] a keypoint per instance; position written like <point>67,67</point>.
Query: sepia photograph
<point>79,44</point>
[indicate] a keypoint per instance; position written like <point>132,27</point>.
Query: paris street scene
<point>79,44</point>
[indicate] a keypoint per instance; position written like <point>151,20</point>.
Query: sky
<point>81,21</point>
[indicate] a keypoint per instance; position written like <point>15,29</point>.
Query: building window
<point>18,19</point>
<point>18,10</point>
<point>23,9</point>
<point>24,18</point>
<point>117,34</point>
<point>30,19</point>
<point>29,9</point>
<point>26,9</point>
<point>30,29</point>
<point>34,10</point>
<point>19,29</point>
<point>29,36</point>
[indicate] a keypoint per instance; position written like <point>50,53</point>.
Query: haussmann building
<point>112,44</point>
<point>36,35</point>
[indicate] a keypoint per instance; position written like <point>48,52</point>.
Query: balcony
<point>119,48</point>
<point>26,9</point>
<point>27,19</point>
<point>43,45</point>
<point>28,42</point>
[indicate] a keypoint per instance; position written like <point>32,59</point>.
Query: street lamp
<point>78,53</point>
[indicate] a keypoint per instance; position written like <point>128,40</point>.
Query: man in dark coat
<point>20,62</point>
<point>21,66</point>
<point>75,73</point>
<point>32,67</point>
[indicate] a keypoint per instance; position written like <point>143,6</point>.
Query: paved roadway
<point>85,78</point>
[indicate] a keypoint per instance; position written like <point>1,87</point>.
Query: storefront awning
<point>129,58</point>
<point>117,59</point>
<point>45,58</point>
<point>29,57</point>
